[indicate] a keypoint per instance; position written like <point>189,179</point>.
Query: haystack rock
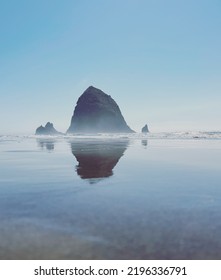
<point>97,112</point>
<point>47,130</point>
<point>145,129</point>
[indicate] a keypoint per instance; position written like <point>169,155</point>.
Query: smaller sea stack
<point>48,129</point>
<point>145,129</point>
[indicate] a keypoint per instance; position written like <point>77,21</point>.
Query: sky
<point>160,60</point>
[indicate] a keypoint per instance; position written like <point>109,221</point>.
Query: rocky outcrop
<point>47,130</point>
<point>97,112</point>
<point>145,129</point>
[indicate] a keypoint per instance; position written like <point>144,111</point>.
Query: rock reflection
<point>47,144</point>
<point>96,159</point>
<point>144,142</point>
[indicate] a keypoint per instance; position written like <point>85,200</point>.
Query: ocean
<point>137,196</point>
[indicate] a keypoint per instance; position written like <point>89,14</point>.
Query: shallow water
<point>110,198</point>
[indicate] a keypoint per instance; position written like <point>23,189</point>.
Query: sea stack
<point>97,112</point>
<point>145,129</point>
<point>47,130</point>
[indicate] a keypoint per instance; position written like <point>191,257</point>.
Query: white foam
<point>160,135</point>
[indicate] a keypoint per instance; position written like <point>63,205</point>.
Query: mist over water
<point>153,196</point>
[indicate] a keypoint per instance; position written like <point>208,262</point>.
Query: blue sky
<point>159,59</point>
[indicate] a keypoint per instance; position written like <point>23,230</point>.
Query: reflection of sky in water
<point>162,200</point>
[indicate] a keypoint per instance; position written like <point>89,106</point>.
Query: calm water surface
<point>110,198</point>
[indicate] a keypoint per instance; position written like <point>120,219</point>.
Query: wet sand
<point>102,199</point>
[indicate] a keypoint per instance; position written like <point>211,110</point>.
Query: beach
<point>100,197</point>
